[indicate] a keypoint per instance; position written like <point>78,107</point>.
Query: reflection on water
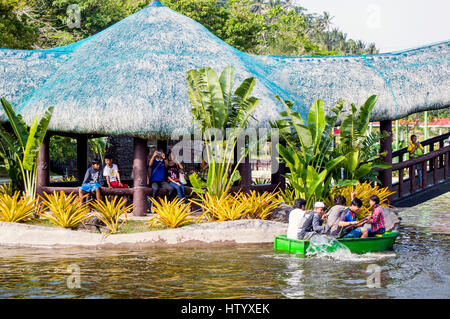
<point>418,267</point>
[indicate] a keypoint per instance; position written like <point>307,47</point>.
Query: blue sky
<point>392,24</point>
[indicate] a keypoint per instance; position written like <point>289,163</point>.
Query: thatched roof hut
<point>130,78</point>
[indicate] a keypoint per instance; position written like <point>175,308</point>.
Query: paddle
<point>360,223</point>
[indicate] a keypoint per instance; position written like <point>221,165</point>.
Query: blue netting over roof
<point>130,78</point>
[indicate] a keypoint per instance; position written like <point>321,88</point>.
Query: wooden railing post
<point>412,179</point>
<point>446,163</point>
<point>400,182</point>
<point>441,158</point>
<point>435,170</point>
<point>424,174</point>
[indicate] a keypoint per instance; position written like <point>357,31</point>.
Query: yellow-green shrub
<point>17,208</point>
<point>173,213</point>
<point>63,210</point>
<point>6,189</point>
<point>258,206</point>
<point>363,191</point>
<point>287,196</point>
<point>109,212</point>
<point>226,207</point>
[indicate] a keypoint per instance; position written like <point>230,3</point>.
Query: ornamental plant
<point>227,206</point>
<point>363,191</point>
<point>110,211</point>
<point>20,149</point>
<point>216,108</point>
<point>17,208</point>
<point>172,214</point>
<point>259,206</point>
<point>63,210</point>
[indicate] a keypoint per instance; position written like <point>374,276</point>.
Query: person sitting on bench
<point>111,174</point>
<point>93,179</point>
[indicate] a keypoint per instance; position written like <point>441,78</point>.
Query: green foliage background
<point>253,26</point>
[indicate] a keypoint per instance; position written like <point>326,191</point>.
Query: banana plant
<point>359,147</point>
<point>309,146</point>
<point>24,144</point>
<point>216,108</point>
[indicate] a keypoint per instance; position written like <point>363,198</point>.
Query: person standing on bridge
<point>415,149</point>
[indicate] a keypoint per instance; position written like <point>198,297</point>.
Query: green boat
<point>356,245</point>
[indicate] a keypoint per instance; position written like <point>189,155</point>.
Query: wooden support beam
<point>43,167</point>
<point>245,170</point>
<point>386,146</point>
<point>82,156</point>
<point>139,177</point>
<point>278,168</point>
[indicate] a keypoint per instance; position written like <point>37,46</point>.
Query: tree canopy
<point>268,27</point>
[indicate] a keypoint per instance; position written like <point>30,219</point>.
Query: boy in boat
<point>313,223</point>
<point>347,221</point>
<point>111,174</point>
<point>92,181</point>
<point>376,219</point>
<point>296,218</point>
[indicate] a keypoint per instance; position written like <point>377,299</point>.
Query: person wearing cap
<point>314,222</point>
<point>92,181</point>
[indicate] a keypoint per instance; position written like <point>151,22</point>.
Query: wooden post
<point>412,179</point>
<point>441,158</point>
<point>139,177</point>
<point>446,162</point>
<point>82,152</point>
<point>43,167</point>
<point>277,178</point>
<point>386,146</point>
<point>431,161</point>
<point>435,171</point>
<point>400,183</point>
<point>245,170</point>
<point>424,174</point>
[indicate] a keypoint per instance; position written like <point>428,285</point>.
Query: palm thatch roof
<point>130,78</point>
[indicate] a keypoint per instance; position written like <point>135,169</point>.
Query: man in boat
<point>347,225</point>
<point>313,224</point>
<point>334,214</point>
<point>296,218</point>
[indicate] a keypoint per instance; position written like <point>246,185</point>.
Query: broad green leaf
<point>18,125</point>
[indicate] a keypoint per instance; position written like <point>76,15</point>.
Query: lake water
<point>418,267</point>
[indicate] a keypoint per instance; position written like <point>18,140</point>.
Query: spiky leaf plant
<point>63,210</point>
<point>17,208</point>
<point>109,212</point>
<point>172,214</point>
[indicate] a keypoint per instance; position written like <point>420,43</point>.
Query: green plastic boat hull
<point>356,245</point>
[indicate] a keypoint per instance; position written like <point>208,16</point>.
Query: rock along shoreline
<point>250,231</point>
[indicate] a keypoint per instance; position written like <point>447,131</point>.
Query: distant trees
<point>16,30</point>
<point>269,27</point>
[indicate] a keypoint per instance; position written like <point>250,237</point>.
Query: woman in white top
<point>296,218</point>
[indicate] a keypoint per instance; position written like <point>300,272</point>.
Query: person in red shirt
<point>376,220</point>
